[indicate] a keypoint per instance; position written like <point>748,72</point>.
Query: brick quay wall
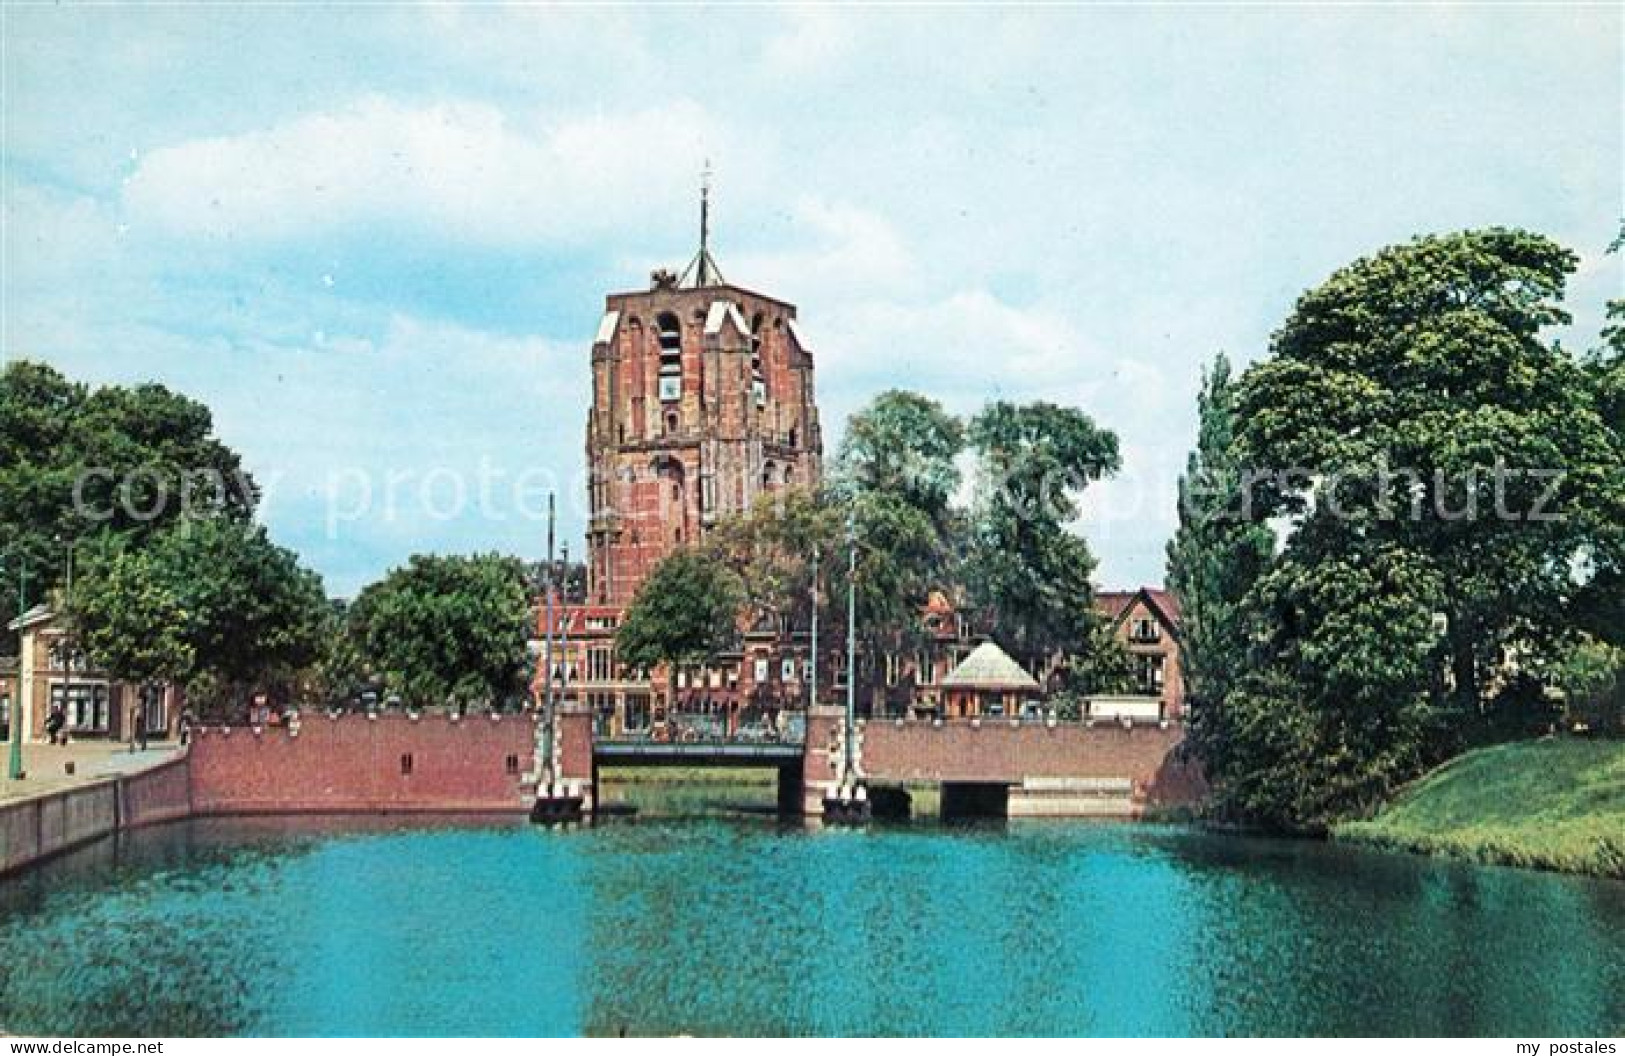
<point>348,762</point>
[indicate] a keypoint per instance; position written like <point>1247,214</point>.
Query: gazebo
<point>987,682</point>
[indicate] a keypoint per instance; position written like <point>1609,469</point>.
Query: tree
<point>769,549</point>
<point>1333,711</point>
<point>894,480</point>
<point>1027,572</point>
<point>1445,470</point>
<point>204,601</point>
<point>1215,556</point>
<point>682,616</point>
<point>447,629</point>
<point>1600,602</point>
<point>903,445</point>
<point>1410,401</point>
<point>80,467</point>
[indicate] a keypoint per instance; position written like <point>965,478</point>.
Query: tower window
<point>671,357</point>
<point>758,378</point>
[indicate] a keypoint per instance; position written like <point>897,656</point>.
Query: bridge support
<point>822,758</point>
<point>572,792</point>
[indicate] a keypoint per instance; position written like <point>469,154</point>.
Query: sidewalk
<point>46,765</point>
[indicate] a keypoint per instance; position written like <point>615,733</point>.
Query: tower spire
<point>703,268</point>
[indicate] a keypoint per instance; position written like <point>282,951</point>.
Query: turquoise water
<point>728,926</point>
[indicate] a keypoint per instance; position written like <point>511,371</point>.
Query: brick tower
<point>702,401</point>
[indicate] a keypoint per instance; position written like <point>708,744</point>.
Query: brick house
<point>50,672</point>
<point>1146,621</point>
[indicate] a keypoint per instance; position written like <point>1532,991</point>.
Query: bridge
<point>1009,766</point>
<point>393,762</point>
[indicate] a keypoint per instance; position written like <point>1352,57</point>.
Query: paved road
<point>46,768</point>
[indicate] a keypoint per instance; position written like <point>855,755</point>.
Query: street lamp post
<point>851,640</point>
<point>544,775</point>
<point>812,691</point>
<point>15,766</point>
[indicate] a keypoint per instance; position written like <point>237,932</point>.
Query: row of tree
<point>120,507</point>
<point>1402,529</point>
<point>1007,559</point>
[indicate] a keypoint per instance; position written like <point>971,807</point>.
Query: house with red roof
<point>1146,621</point>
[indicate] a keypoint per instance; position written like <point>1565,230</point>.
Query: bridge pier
<point>823,757</point>
<point>573,791</point>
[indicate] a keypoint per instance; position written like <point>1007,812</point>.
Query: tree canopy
<point>1452,485</point>
<point>446,629</point>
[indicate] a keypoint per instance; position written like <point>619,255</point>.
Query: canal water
<point>741,926</point>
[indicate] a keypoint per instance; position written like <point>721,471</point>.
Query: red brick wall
<point>354,763</point>
<point>999,752</point>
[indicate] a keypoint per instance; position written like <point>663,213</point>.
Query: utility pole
<point>851,640</point>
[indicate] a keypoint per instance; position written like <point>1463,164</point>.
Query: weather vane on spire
<point>703,267</point>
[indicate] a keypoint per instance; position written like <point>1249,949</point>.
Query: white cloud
<point>467,172</point>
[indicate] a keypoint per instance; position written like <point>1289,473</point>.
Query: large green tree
<point>894,481</point>
<point>82,468</point>
<point>682,616</point>
<point>207,602</point>
<point>447,629</point>
<point>1447,472</point>
<point>1028,573</point>
<point>1413,401</point>
<point>1216,554</point>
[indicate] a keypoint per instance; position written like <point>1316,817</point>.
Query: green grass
<point>1556,803</point>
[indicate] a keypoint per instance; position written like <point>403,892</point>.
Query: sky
<point>376,239</point>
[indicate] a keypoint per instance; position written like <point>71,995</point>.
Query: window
<point>510,765</point>
<point>84,704</point>
<point>806,670</point>
<point>760,672</point>
<point>758,377</point>
<point>671,358</point>
<point>787,670</point>
<point>924,673</point>
<point>600,667</point>
<point>406,764</point>
<point>1151,674</point>
<point>1145,630</point>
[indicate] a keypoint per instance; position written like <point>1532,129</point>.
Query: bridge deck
<point>696,753</point>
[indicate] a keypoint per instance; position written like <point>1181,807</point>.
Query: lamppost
<point>812,692</point>
<point>544,773</point>
<point>851,641</point>
<point>15,767</point>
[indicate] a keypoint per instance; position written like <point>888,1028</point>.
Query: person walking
<point>54,724</point>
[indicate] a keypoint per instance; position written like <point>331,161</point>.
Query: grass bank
<point>1556,803</point>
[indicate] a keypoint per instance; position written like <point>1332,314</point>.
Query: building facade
<point>52,672</point>
<point>1146,621</point>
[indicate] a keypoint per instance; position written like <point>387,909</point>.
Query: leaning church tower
<point>702,401</point>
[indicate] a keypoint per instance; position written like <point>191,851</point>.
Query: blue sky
<point>376,239</point>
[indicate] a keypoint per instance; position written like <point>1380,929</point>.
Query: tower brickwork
<point>702,401</point>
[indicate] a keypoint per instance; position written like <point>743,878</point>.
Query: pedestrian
<point>186,725</point>
<point>138,729</point>
<point>54,723</point>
